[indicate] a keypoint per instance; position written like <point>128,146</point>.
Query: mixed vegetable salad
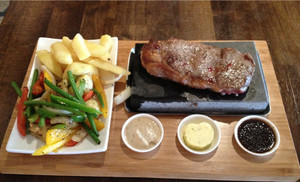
<point>66,100</point>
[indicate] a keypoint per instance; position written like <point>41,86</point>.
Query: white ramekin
<point>142,115</point>
<point>262,119</point>
<point>198,118</point>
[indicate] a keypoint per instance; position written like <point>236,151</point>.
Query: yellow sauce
<point>142,133</point>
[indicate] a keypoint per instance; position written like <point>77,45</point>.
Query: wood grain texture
<point>18,34</point>
<point>119,161</point>
<point>276,22</point>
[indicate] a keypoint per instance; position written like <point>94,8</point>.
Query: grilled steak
<point>224,70</point>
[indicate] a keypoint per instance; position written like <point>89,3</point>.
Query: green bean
<point>99,97</point>
<point>57,106</point>
<point>34,79</point>
<point>32,118</point>
<point>42,121</point>
<point>76,105</point>
<point>77,94</point>
<point>17,88</point>
<point>47,113</point>
<point>44,112</point>
<point>92,123</point>
<point>60,91</point>
<point>77,118</point>
<point>74,87</point>
<point>58,126</point>
<point>92,134</point>
<point>94,115</point>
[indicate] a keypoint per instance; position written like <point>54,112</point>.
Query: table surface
<point>275,22</point>
<point>119,161</point>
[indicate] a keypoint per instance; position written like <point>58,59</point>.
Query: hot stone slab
<point>156,95</point>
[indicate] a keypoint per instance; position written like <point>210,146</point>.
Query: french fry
<point>68,43</point>
<point>107,66</point>
<point>46,58</point>
<point>106,42</point>
<point>80,48</point>
<point>106,57</point>
<point>61,53</point>
<point>98,51</point>
<point>80,68</point>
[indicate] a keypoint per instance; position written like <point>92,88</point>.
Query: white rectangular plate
<point>28,144</point>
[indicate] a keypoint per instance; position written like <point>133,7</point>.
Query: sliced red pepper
<point>71,143</point>
<point>38,86</point>
<point>41,79</point>
<point>21,121</point>
<point>47,120</point>
<point>37,89</point>
<point>88,96</point>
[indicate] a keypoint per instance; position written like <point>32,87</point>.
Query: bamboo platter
<point>170,160</point>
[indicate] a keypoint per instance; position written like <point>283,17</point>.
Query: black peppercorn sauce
<point>256,136</point>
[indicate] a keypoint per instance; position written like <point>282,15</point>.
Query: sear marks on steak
<point>224,70</point>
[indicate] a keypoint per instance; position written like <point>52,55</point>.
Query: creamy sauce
<point>142,133</point>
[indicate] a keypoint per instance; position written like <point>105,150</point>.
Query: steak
<point>200,66</point>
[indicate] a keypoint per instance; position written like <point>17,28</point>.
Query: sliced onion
<point>45,96</point>
<point>63,120</point>
<point>59,111</point>
<point>44,68</point>
<point>79,135</point>
<point>113,80</point>
<point>123,96</point>
<point>39,98</point>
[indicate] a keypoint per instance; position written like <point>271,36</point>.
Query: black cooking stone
<point>156,95</point>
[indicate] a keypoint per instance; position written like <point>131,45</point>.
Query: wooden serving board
<point>170,160</point>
